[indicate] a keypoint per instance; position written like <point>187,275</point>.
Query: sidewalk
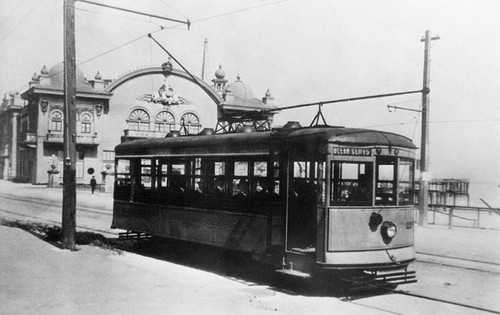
<point>37,278</point>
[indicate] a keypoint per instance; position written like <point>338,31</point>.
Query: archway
<point>174,72</point>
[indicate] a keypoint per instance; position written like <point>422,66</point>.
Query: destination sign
<point>352,151</point>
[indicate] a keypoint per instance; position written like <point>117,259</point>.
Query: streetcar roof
<point>259,142</point>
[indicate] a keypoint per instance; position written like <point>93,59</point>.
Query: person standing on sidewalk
<point>93,184</point>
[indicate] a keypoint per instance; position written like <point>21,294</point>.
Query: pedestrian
<point>93,184</point>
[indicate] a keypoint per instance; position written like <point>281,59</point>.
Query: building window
<point>56,121</point>
<point>138,120</point>
<point>164,122</point>
<point>191,122</point>
<point>86,123</point>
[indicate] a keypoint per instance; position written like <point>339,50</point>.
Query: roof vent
<point>292,125</point>
<point>173,134</point>
<point>246,129</point>
<point>207,132</point>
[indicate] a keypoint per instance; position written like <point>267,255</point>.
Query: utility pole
<point>425,176</point>
<point>204,53</point>
<point>69,172</point>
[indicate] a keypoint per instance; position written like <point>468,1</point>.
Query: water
<point>489,191</point>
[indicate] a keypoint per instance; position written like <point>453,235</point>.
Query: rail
<point>466,213</point>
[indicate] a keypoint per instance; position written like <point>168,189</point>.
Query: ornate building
<point>149,102</point>
<point>41,123</point>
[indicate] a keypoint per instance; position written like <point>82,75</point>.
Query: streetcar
<point>312,201</point>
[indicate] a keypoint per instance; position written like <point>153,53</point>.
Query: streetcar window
<point>276,175</point>
<point>178,177</point>
<point>300,169</point>
<point>405,182</point>
<point>216,176</point>
<point>195,180</point>
<point>146,173</point>
<point>122,182</point>
<point>162,174</point>
<point>260,169</point>
<point>259,182</point>
<point>351,183</point>
<point>241,168</point>
<point>240,180</point>
<point>385,193</point>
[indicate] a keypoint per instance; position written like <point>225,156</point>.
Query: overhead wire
<point>237,11</point>
<point>177,11</point>
<point>21,21</point>
<point>438,122</point>
<point>13,10</point>
<point>163,27</point>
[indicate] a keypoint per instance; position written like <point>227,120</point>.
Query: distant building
<point>145,103</point>
<point>9,112</point>
<point>41,125</point>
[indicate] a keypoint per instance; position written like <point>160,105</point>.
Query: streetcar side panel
<point>231,230</point>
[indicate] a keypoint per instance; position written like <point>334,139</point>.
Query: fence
<point>464,216</point>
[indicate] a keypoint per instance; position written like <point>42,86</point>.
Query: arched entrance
<point>173,72</point>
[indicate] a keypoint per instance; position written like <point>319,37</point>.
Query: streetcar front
<point>364,205</point>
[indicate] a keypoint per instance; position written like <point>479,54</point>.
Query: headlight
<point>388,230</point>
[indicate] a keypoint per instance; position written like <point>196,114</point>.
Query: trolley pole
<point>425,177</point>
<point>69,174</point>
<point>203,64</point>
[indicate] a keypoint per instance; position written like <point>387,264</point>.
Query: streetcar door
<point>306,180</point>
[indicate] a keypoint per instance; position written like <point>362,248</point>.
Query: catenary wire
<point>21,20</point>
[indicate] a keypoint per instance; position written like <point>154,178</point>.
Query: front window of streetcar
<point>351,183</point>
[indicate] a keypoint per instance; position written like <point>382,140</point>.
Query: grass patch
<point>53,233</point>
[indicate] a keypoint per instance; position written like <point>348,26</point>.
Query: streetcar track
<point>445,301</point>
<point>460,258</point>
<point>407,293</point>
<point>458,267</point>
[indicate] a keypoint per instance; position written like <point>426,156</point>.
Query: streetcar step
<point>294,273</point>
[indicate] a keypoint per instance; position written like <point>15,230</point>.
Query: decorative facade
<point>41,126</point>
<point>150,102</point>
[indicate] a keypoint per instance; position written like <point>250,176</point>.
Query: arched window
<point>138,120</point>
<point>56,121</point>
<point>191,122</point>
<point>86,123</point>
<point>164,121</point>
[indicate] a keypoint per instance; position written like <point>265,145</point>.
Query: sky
<point>302,51</point>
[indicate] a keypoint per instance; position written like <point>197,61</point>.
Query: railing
<point>465,216</point>
<point>80,139</point>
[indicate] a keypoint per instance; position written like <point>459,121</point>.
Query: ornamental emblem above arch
<point>163,94</point>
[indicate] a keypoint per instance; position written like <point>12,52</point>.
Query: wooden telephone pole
<point>425,176</point>
<point>69,173</point>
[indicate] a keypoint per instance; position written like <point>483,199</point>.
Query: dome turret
<point>240,90</point>
<point>220,73</point>
<point>44,71</point>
